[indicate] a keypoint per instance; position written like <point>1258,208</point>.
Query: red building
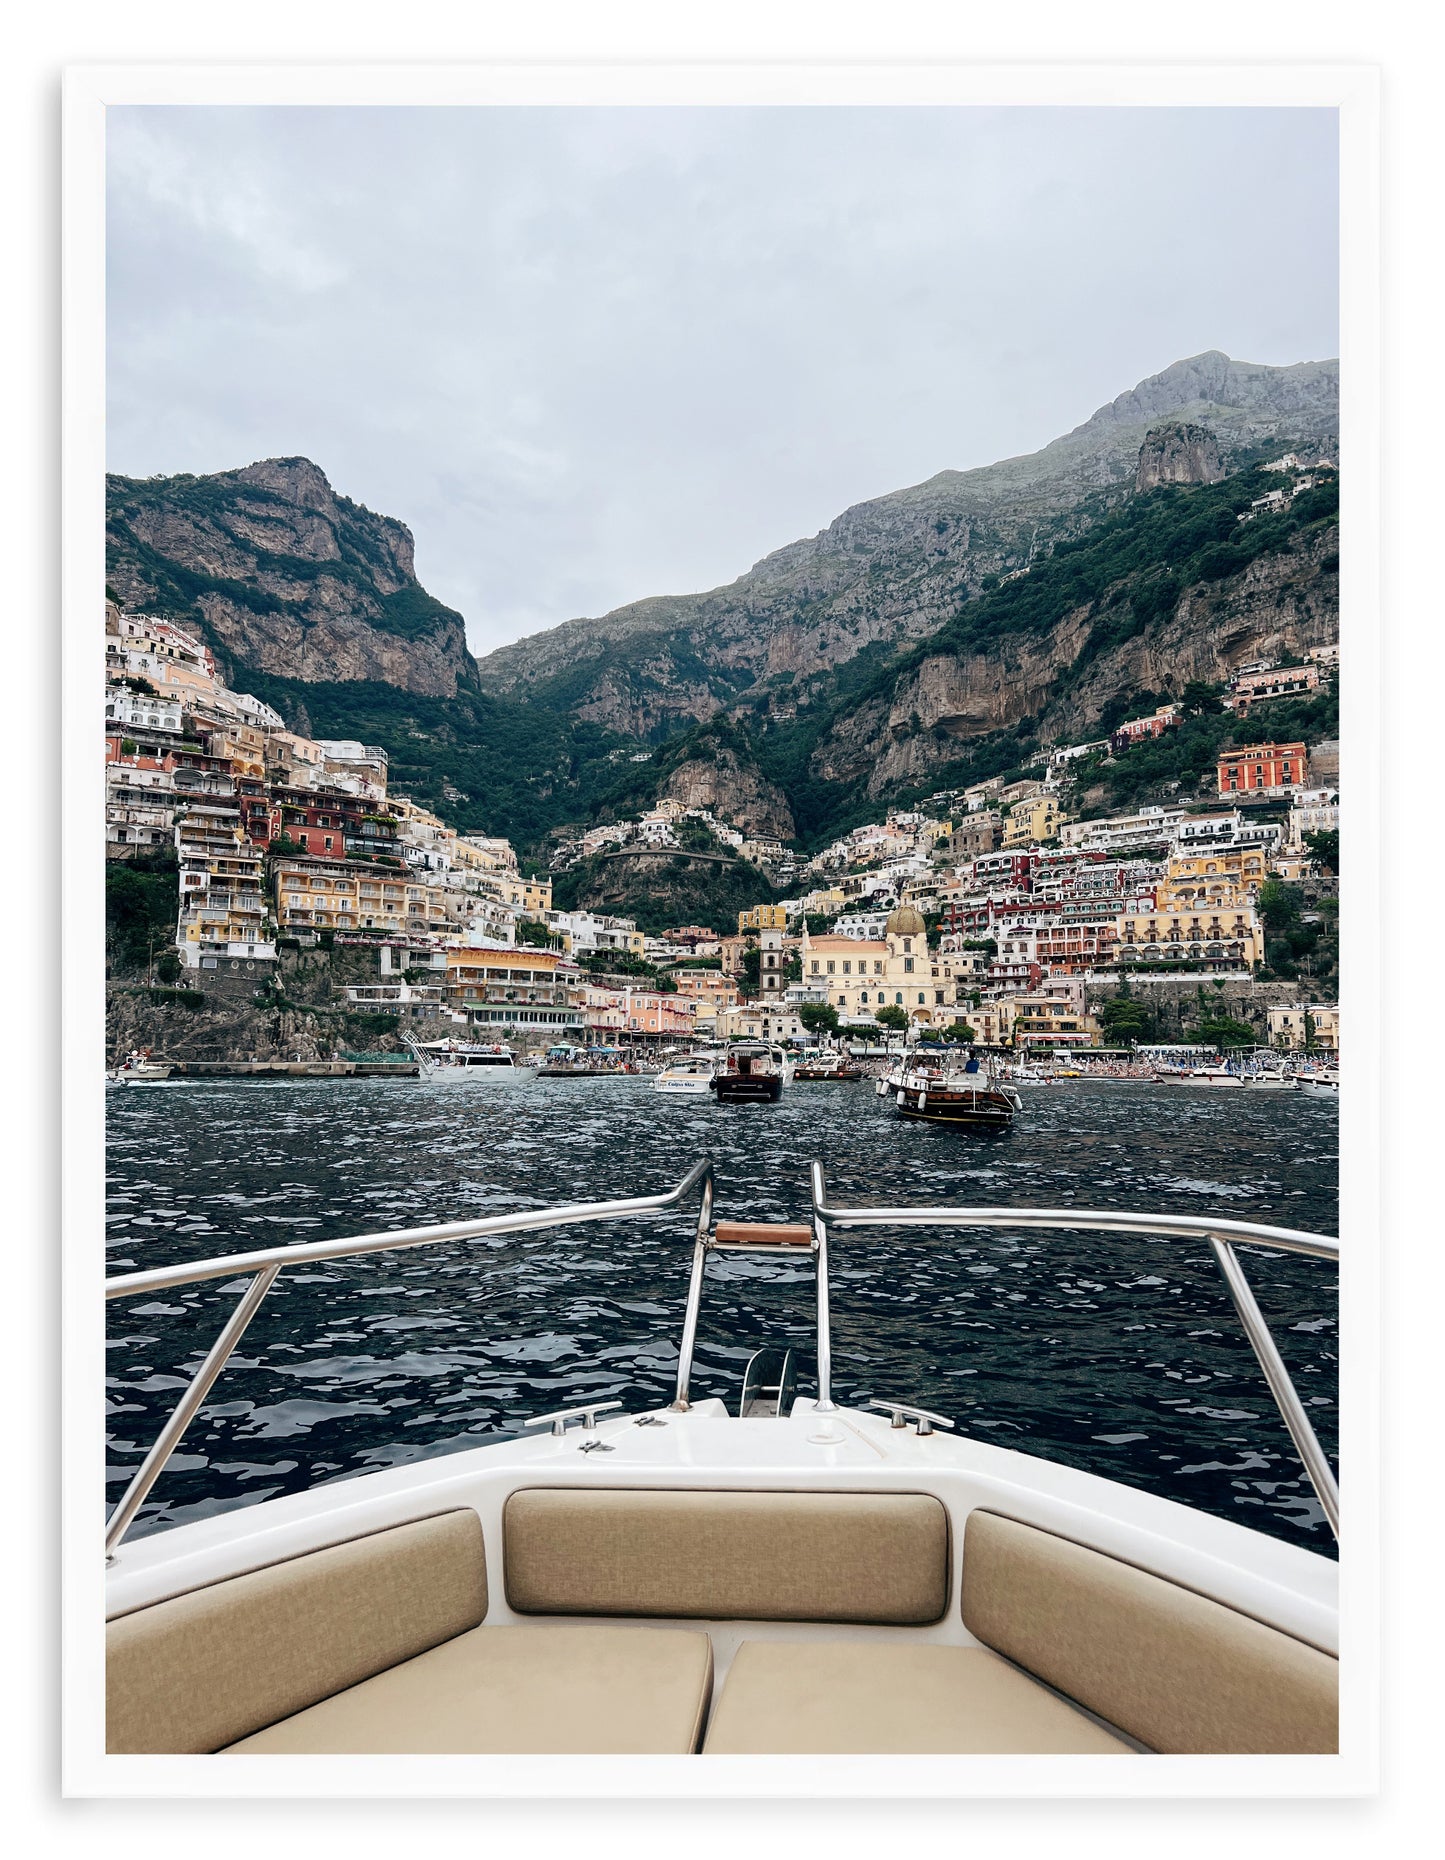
<point>320,823</point>
<point>1140,728</point>
<point>1263,767</point>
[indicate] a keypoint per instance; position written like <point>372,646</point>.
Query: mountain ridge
<point>664,662</point>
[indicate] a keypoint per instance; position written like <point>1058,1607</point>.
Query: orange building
<point>1261,767</point>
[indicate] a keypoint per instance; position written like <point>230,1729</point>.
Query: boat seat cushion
<point>1177,1670</point>
<point>715,1556</point>
<point>890,1698</point>
<point>200,1670</point>
<point>545,1689</point>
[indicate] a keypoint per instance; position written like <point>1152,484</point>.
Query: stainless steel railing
<point>1221,1236</point>
<point>267,1265</point>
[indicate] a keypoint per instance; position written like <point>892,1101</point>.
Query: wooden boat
<point>827,1068</point>
<point>957,1095</point>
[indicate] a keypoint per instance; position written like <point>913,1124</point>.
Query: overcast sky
<point>590,355</point>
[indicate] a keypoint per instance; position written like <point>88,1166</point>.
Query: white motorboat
<point>459,1058</point>
<point>1322,1083</point>
<point>138,1068</point>
<point>794,1579</point>
<point>689,1076</point>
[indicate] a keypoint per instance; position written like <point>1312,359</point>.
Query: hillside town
<point>1001,913</point>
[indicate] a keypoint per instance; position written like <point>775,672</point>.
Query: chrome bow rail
<point>1221,1236</point>
<point>266,1266</point>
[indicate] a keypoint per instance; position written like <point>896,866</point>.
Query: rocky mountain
<point>893,570</point>
<point>1178,453</point>
<point>283,575</point>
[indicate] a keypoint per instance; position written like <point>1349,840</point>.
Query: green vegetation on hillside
<point>660,891</point>
<point>142,897</point>
<point>518,770</point>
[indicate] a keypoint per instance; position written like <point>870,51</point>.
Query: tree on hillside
<point>1125,1021</point>
<point>819,1017</point>
<point>960,1030</point>
<point>892,1016</point>
<point>1324,849</point>
<point>1222,1033</point>
<point>1199,699</point>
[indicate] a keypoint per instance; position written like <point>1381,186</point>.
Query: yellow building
<point>1226,936</point>
<point>762,917</point>
<point>1227,877</point>
<point>1046,1020</point>
<point>1033,821</point>
<point>334,894</point>
<point>510,991</point>
<point>1288,1028</point>
<point>858,977</point>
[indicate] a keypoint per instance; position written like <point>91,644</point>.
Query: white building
<point>1314,810</point>
<point>132,710</point>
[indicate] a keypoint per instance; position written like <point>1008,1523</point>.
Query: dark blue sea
<point>1119,1355</point>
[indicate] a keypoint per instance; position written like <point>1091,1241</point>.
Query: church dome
<point>904,920</point>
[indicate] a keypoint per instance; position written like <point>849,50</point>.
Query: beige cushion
<point>1177,1671</point>
<point>553,1690</point>
<point>752,1556</point>
<point>203,1669</point>
<point>889,1698</point>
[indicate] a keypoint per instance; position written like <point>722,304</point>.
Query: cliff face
<point>1284,601</point>
<point>1178,453</point>
<point>282,575</point>
<point>735,791</point>
<point>893,570</point>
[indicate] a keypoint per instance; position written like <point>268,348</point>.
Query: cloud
<point>595,354</point>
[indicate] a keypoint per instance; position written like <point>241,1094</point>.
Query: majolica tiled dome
<point>904,920</point>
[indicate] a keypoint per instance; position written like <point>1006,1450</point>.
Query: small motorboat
<point>689,1076</point>
<point>753,1072</point>
<point>138,1068</point>
<point>1324,1083</point>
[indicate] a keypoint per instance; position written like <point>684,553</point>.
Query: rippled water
<point>1119,1355</point>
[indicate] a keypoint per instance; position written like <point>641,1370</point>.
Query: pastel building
<point>1263,768</point>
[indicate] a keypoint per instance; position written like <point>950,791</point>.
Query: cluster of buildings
<point>988,905</point>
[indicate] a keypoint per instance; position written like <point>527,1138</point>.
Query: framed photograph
<point>719,1067</point>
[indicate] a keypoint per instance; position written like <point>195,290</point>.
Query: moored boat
<point>829,1067</point>
<point>451,1058</point>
